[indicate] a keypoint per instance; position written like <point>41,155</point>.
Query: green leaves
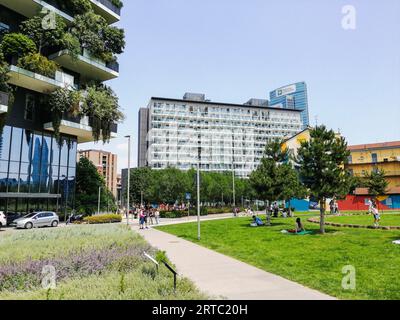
<point>42,37</point>
<point>88,181</point>
<point>101,104</point>
<point>17,45</point>
<point>376,183</point>
<point>95,35</point>
<point>274,179</point>
<point>37,63</point>
<point>322,161</point>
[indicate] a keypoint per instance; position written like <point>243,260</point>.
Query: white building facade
<point>183,133</point>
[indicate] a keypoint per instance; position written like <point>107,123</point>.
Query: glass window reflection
<point>5,139</point>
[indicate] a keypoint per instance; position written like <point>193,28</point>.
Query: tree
<point>17,45</point>
<point>273,178</point>
<point>322,161</point>
<point>141,183</point>
<point>88,181</point>
<point>290,186</point>
<point>376,183</point>
<point>43,37</point>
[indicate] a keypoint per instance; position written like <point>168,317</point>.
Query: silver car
<point>37,219</point>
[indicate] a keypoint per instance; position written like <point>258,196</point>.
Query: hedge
<point>104,218</point>
<point>193,212</point>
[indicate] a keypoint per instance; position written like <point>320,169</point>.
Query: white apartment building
<point>183,133</point>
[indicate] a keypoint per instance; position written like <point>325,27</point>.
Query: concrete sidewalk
<point>223,277</point>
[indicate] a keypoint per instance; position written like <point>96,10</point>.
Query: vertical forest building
<point>55,56</point>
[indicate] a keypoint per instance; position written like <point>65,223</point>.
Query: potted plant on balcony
<point>101,105</point>
<point>60,102</point>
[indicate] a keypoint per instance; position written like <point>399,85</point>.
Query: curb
<point>357,226</point>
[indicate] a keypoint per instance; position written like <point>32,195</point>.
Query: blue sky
<point>233,50</point>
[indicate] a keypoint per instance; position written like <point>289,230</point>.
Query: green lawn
<point>388,219</point>
<point>313,260</point>
<point>91,262</point>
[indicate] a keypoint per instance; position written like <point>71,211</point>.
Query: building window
<point>374,158</point>
<point>350,159</point>
<point>29,107</point>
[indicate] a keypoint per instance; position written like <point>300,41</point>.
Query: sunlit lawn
<point>313,260</point>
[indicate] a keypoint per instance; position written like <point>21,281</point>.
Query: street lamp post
<point>233,173</point>
<point>198,187</point>
<point>129,179</point>
<point>98,204</point>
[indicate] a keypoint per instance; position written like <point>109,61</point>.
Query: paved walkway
<point>223,277</point>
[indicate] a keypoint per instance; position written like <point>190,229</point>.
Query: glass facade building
<point>224,137</point>
<point>37,171</point>
<point>293,96</point>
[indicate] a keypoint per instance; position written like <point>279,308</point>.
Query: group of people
<point>147,215</point>
<point>299,227</point>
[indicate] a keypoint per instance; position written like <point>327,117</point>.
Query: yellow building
<point>294,142</point>
<point>377,156</point>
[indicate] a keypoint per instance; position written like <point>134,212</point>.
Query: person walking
<point>377,217</point>
<point>141,219</point>
<point>370,205</point>
<point>157,216</point>
<point>332,206</point>
<point>336,207</point>
<point>151,216</point>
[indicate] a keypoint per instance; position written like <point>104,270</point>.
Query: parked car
<point>12,216</point>
<point>3,220</point>
<point>37,219</point>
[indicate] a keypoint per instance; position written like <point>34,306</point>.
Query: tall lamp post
<point>198,187</point>
<point>233,174</point>
<point>98,203</point>
<point>129,179</point>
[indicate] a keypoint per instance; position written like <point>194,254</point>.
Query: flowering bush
<point>104,218</point>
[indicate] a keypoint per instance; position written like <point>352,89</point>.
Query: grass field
<point>388,219</point>
<point>313,260</point>
<point>91,262</point>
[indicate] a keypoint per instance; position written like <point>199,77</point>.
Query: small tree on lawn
<point>273,179</point>
<point>376,183</point>
<point>322,167</point>
<point>290,185</point>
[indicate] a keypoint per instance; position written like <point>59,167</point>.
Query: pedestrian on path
<point>377,217</point>
<point>157,216</point>
<point>141,218</point>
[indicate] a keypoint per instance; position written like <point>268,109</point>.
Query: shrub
<point>117,3</point>
<point>104,218</point>
<point>39,64</point>
<point>182,213</point>
<point>17,45</point>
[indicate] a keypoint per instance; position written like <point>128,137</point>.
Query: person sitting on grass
<point>257,222</point>
<point>298,228</point>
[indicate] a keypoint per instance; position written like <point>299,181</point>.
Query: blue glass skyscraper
<point>293,96</point>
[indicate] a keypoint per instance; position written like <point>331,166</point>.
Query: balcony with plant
<point>89,37</point>
<point>96,108</point>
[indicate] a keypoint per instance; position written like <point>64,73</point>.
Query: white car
<point>3,219</point>
<point>37,219</point>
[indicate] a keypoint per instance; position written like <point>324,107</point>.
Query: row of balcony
<point>75,126</point>
<point>29,8</point>
<point>79,127</point>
